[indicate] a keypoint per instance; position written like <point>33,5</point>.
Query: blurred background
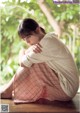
<point>62,19</point>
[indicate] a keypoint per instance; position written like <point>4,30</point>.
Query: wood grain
<point>53,107</point>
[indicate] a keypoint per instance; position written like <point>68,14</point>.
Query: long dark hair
<point>27,26</point>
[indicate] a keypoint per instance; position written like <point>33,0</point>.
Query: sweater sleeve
<point>31,57</point>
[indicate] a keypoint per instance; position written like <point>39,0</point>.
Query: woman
<point>47,69</point>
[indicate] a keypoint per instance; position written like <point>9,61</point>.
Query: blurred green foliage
<point>13,11</point>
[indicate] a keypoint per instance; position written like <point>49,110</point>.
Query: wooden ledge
<point>55,107</point>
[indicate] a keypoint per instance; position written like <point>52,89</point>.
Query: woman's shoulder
<point>51,35</point>
<point>48,39</point>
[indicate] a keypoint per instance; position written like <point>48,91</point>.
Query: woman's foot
<point>5,93</point>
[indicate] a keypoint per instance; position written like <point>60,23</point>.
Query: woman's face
<point>32,39</point>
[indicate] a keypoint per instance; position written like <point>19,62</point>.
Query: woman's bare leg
<point>6,91</point>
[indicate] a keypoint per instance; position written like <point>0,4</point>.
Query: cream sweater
<point>57,56</point>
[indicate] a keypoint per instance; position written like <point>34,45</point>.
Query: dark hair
<point>27,26</point>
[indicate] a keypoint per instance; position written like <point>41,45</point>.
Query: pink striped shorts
<point>40,82</point>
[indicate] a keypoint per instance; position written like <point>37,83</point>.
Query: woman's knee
<point>21,70</point>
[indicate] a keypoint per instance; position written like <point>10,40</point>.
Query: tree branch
<point>49,17</point>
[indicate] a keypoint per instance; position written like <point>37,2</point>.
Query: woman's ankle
<point>6,95</point>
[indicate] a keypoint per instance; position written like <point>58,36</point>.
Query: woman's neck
<point>41,36</point>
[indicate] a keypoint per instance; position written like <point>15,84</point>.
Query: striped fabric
<point>39,83</point>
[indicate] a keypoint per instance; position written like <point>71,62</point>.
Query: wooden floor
<point>55,107</point>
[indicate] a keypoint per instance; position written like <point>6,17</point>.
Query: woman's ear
<point>37,30</point>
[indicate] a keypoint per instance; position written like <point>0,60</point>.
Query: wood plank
<point>54,107</point>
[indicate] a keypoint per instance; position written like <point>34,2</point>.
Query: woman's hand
<point>37,48</point>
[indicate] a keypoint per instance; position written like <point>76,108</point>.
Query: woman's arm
<point>36,49</point>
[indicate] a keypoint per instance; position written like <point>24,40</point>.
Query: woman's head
<point>30,31</point>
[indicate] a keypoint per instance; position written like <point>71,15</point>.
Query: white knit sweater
<point>57,56</point>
